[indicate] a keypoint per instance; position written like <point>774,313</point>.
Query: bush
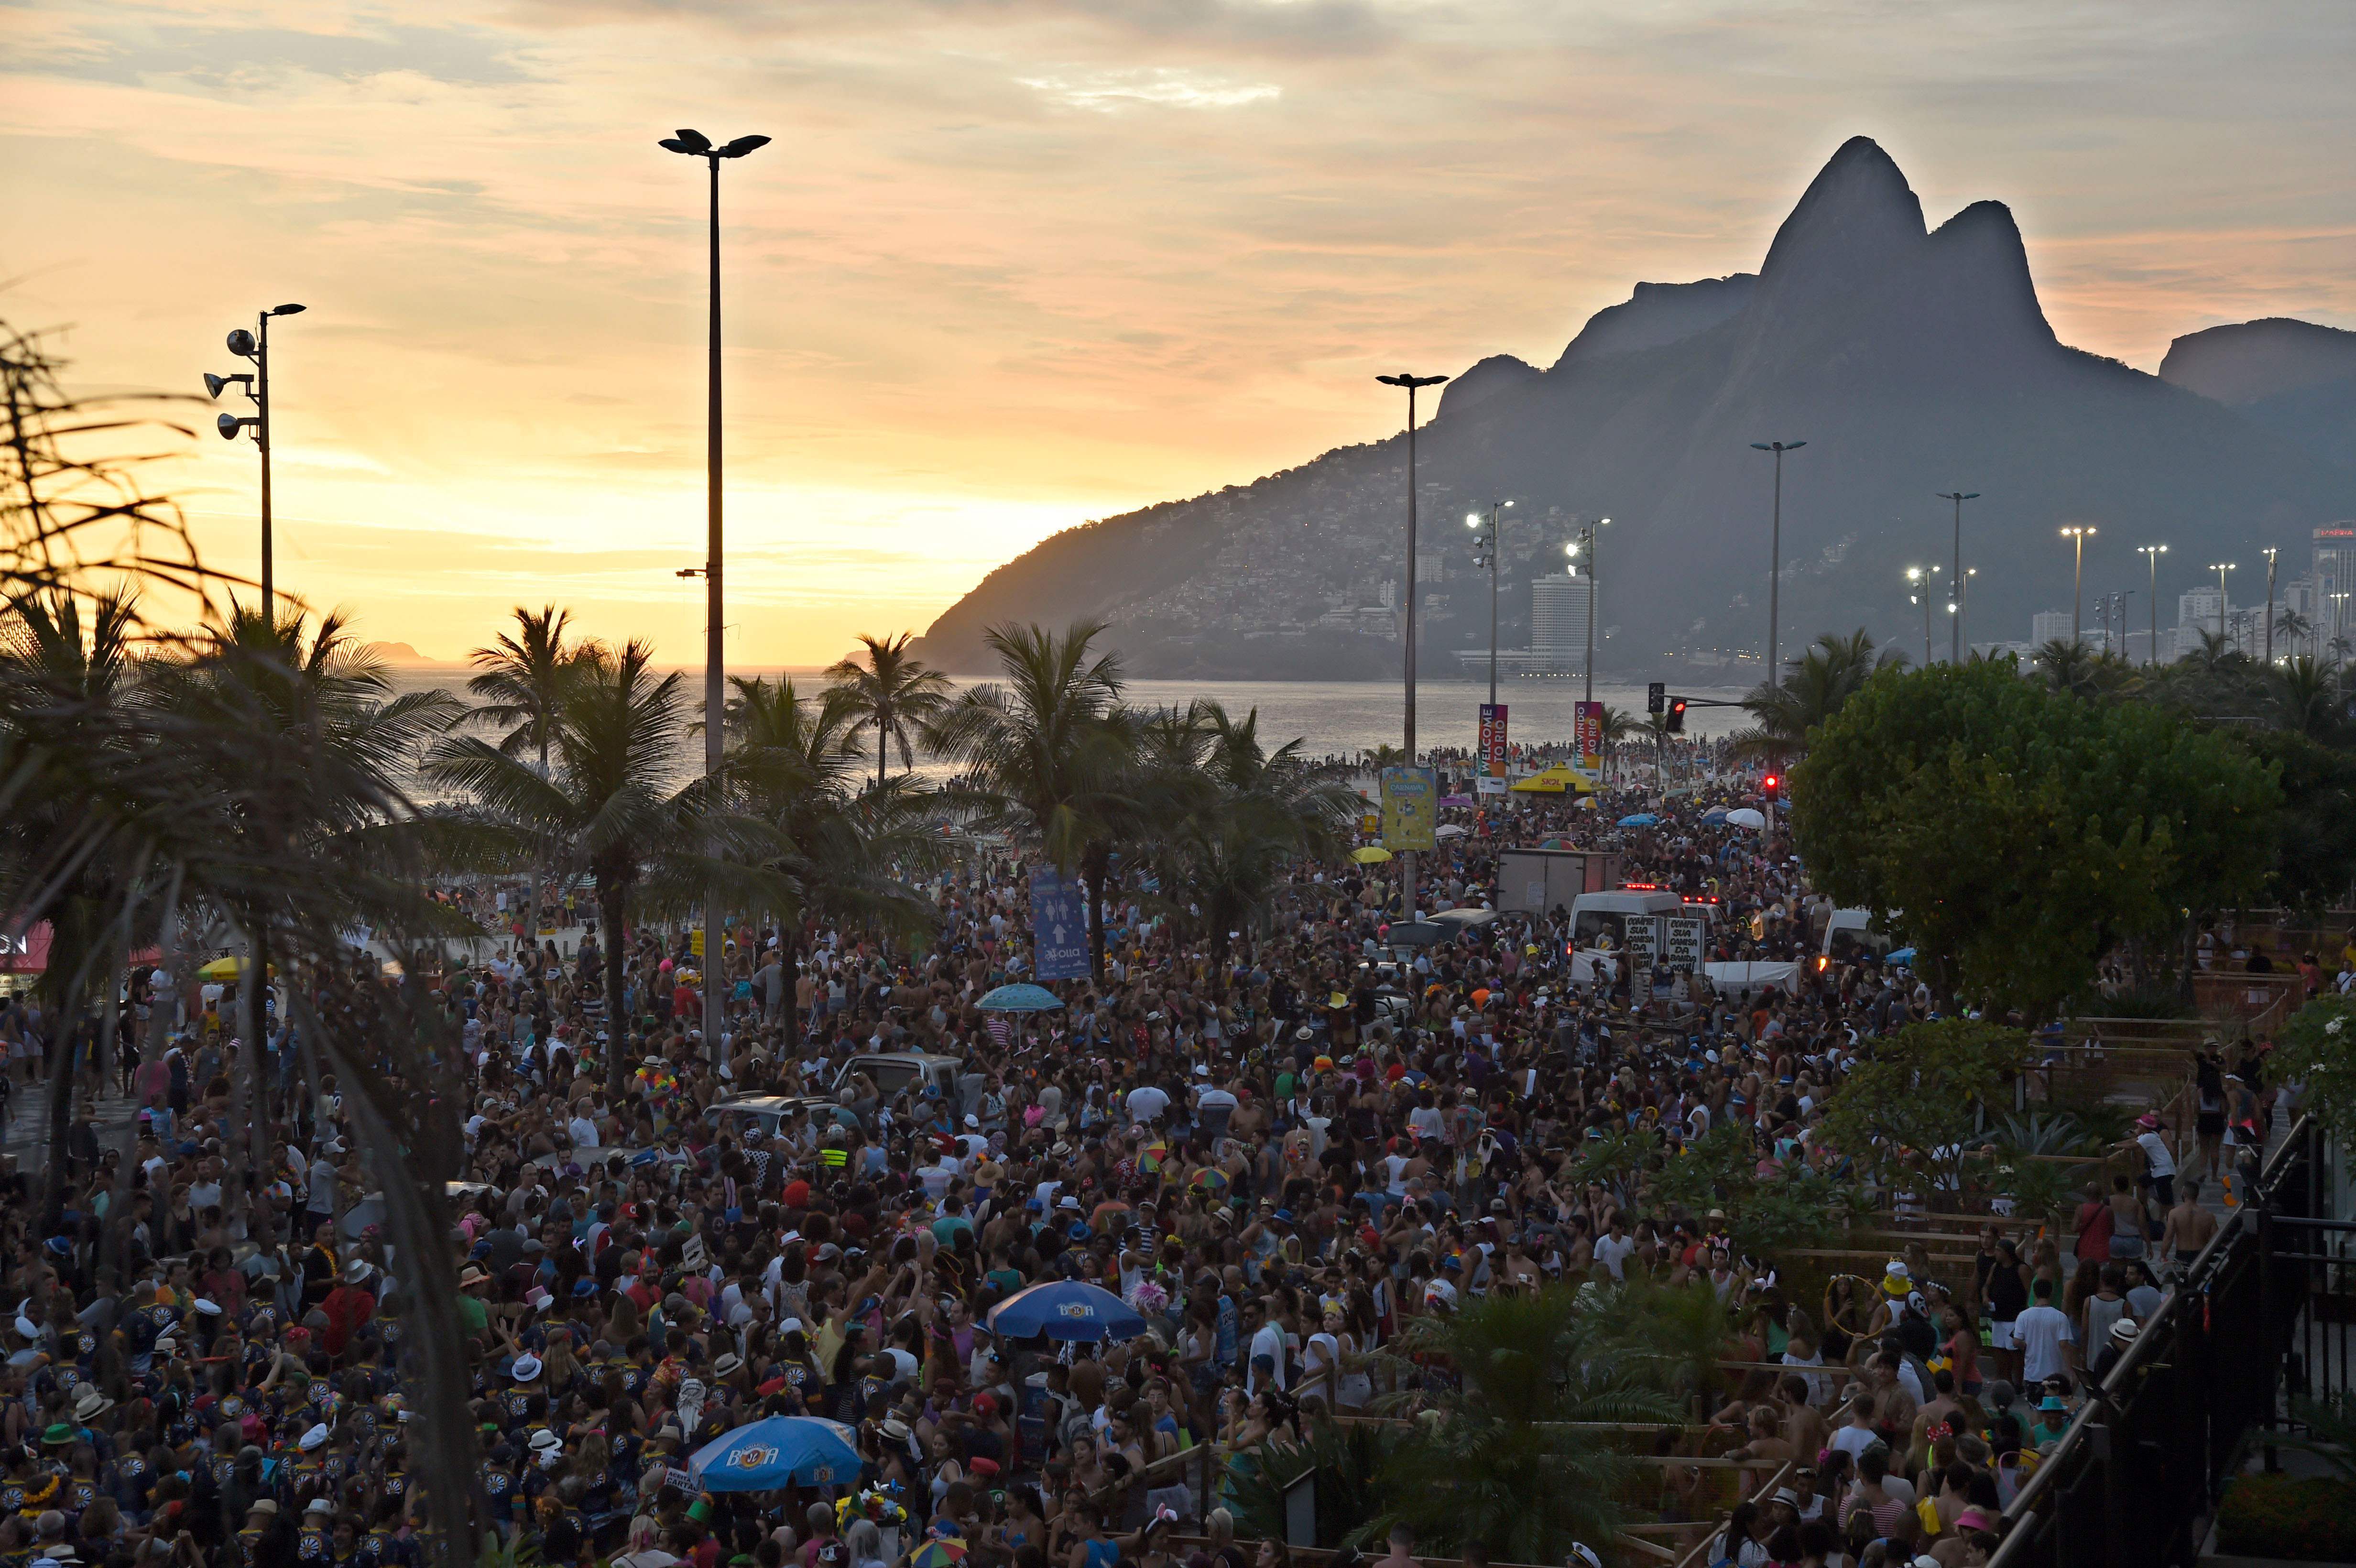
<point>2301,1521</point>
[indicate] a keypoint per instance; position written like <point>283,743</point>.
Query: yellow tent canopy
<point>1370,855</point>
<point>1558,779</point>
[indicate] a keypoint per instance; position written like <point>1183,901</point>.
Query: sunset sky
<point>1012,264</point>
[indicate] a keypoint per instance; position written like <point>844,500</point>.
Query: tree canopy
<point>2015,832</point>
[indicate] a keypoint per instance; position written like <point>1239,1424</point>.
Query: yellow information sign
<point>1410,808</point>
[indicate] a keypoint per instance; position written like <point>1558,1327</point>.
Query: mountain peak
<point>1857,215</point>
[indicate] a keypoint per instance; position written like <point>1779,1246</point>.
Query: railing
<point>2133,1481</point>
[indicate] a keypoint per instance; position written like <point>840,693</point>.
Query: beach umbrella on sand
<point>1373,854</point>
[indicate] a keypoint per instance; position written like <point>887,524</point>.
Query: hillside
<point>1910,359</point>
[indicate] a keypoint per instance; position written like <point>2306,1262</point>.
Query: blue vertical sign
<point>1059,926</point>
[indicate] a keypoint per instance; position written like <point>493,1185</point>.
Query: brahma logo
<point>752,1458</point>
<point>822,1477</point>
<point>1079,1309</point>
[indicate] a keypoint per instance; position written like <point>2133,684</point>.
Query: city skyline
<point>1005,272</point>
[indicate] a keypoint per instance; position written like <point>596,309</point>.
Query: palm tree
<point>2293,626</point>
<point>892,695</point>
<point>1504,1457</point>
<point>1818,681</point>
<point>67,678</point>
<point>1224,817</point>
<point>2215,653</point>
<point>2303,695</point>
<point>519,680</point>
<point>1617,725</point>
<point>2069,665</point>
<point>607,800</point>
<point>1047,751</point>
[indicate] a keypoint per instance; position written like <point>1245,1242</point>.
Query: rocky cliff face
<point>1910,359</point>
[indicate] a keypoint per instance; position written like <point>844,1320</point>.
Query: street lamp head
<point>1509,507</point>
<point>694,143</point>
<point>742,146</point>
<point>1410,382</point>
<point>1571,549</point>
<point>216,385</point>
<point>229,424</point>
<point>1471,519</point>
<point>285,310</point>
<point>241,343</point>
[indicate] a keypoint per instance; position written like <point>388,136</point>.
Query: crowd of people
<point>1279,1163</point>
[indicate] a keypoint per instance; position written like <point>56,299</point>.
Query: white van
<point>1853,934</point>
<point>1596,915</point>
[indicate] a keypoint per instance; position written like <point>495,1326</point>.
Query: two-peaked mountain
<point>1911,360</point>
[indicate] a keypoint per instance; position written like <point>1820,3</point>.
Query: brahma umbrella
<point>781,1451</point>
<point>1640,819</point>
<point>1020,999</point>
<point>1065,1310</point>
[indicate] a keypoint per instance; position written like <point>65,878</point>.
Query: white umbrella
<point>1743,816</point>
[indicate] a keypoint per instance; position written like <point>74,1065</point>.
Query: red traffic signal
<point>1772,784</point>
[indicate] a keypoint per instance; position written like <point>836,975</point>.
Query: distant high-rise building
<point>2334,572</point>
<point>2198,608</point>
<point>2048,626</point>
<point>1431,566</point>
<point>1559,619</point>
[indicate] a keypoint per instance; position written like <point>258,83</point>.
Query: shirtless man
<point>2190,1226</point>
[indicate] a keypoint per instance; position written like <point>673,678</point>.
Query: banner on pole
<point>1059,928</point>
<point>1492,738</point>
<point>1589,726</point>
<point>1410,808</point>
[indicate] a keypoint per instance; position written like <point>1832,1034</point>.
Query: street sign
<point>1685,942</point>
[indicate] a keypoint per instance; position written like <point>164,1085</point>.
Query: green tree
<point>2317,1050</point>
<point>2314,831</point>
<point>1922,1101</point>
<point>2305,699</point>
<point>608,801</point>
<point>892,695</point>
<point>1499,1456</point>
<point>1049,754</point>
<point>1226,817</point>
<point>2015,832</point>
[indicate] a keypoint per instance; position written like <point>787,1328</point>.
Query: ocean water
<point>1339,716</point>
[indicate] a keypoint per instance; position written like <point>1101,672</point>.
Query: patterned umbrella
<point>945,1552</point>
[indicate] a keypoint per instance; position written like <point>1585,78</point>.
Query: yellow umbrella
<point>228,968</point>
<point>1370,855</point>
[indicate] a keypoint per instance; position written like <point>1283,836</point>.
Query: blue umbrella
<point>1020,999</point>
<point>1714,815</point>
<point>777,1452</point>
<point>1642,820</point>
<point>1903,955</point>
<point>1065,1310</point>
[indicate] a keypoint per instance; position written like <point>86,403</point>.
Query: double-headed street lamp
<point>2221,568</point>
<point>2152,552</point>
<point>1412,383</point>
<point>696,145</point>
<point>1485,552</point>
<point>1919,577</point>
<point>1955,631</point>
<point>1775,555</point>
<point>255,384</point>
<point>2078,534</point>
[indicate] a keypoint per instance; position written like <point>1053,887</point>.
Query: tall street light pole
<point>2221,568</point>
<point>2269,553</point>
<point>1487,548</point>
<point>1412,383</point>
<point>1584,545</point>
<point>1955,631</point>
<point>2152,552</point>
<point>696,145</point>
<point>1775,557</point>
<point>256,387</point>
<point>2077,535</point>
<point>1919,576</point>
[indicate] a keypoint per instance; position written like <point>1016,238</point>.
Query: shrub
<point>2311,1520</point>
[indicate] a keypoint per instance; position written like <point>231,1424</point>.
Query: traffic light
<point>1772,786</point>
<point>1677,715</point>
<point>1655,694</point>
